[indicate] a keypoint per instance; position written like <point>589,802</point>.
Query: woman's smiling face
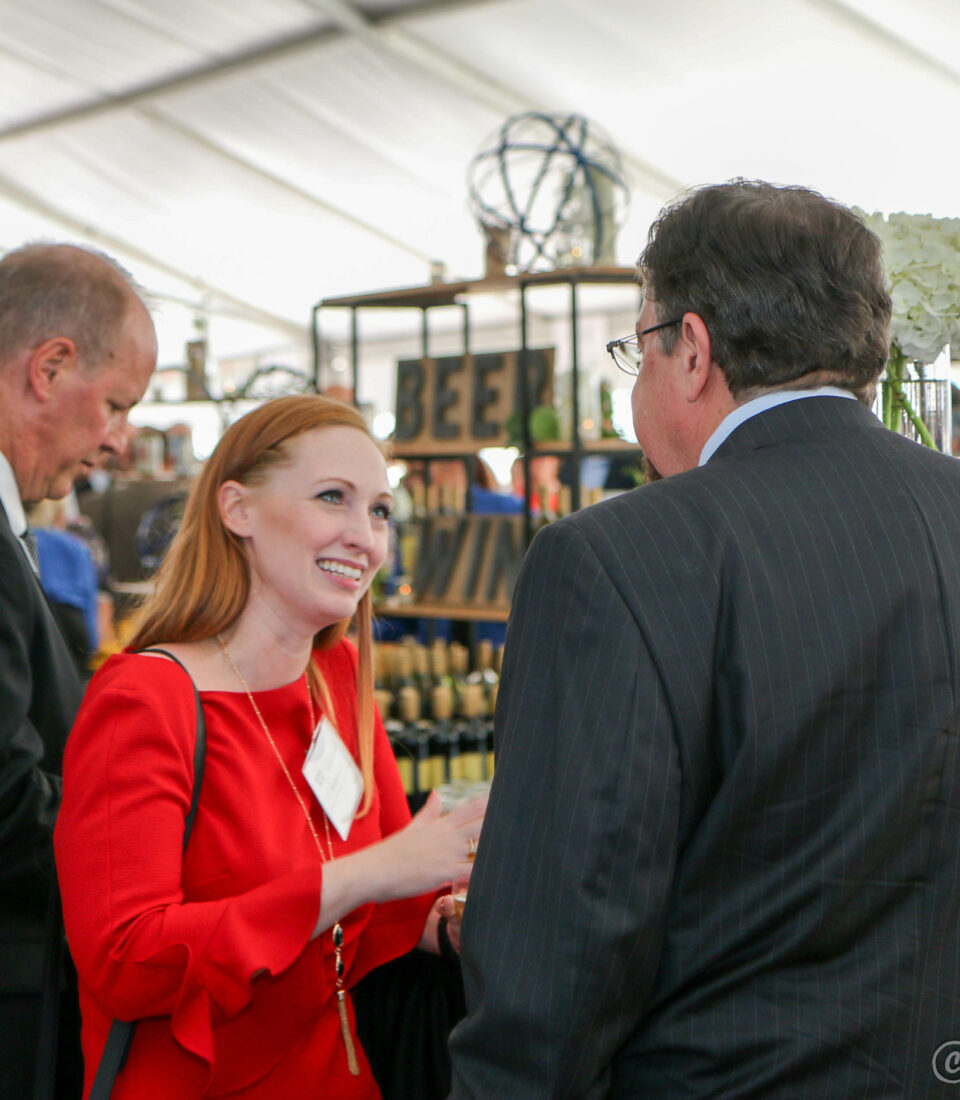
<point>315,526</point>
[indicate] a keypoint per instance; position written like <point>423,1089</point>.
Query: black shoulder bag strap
<point>121,1031</point>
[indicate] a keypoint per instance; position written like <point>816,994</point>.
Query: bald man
<point>77,348</point>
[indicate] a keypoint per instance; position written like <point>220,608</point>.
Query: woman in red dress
<point>303,869</point>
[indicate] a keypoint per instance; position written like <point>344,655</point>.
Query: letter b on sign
<point>410,379</point>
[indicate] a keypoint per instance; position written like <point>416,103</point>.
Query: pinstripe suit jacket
<point>722,853</point>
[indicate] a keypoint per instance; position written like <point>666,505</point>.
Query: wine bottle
<point>473,733</point>
<point>424,765</point>
<point>459,657</point>
<point>440,736</point>
<point>384,701</point>
<point>488,741</point>
<point>402,734</point>
<point>382,694</point>
<point>403,754</point>
<point>422,678</point>
<point>440,671</point>
<point>402,675</point>
<point>498,660</point>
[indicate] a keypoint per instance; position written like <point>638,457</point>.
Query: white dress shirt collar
<point>760,404</point>
<point>10,497</point>
<point>13,506</point>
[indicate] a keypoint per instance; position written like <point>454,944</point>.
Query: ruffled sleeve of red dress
<point>140,948</point>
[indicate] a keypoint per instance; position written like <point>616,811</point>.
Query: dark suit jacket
<point>39,695</point>
<point>722,853</point>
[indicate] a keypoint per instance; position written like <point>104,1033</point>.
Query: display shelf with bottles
<point>437,703</point>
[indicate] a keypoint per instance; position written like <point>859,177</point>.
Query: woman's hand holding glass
<point>436,848</point>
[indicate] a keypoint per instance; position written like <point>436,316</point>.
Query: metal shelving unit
<point>457,295</point>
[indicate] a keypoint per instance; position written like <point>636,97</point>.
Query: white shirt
<point>760,404</point>
<point>13,505</point>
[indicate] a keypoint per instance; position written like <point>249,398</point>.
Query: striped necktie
<point>29,540</point>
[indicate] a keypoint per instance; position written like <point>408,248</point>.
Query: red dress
<point>211,949</point>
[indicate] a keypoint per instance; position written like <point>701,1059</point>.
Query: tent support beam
<point>841,12</point>
<point>162,118</point>
<point>239,64</point>
<point>394,38</point>
<point>114,244</point>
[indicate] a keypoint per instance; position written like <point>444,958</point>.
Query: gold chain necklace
<point>337,930</point>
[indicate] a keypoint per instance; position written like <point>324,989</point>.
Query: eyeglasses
<point>626,351</point>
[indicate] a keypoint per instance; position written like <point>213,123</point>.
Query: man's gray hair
<point>49,290</point>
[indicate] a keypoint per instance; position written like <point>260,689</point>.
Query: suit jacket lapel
<point>6,531</point>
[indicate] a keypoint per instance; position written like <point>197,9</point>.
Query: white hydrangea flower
<point>922,258</point>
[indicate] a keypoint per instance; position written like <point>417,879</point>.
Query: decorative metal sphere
<point>549,191</point>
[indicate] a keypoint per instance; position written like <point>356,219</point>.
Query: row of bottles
<point>438,711</point>
<point>445,751</point>
<point>407,670</point>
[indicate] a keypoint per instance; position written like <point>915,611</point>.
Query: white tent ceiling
<point>250,157</point>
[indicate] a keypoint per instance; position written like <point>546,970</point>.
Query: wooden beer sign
<point>468,561</point>
<point>458,403</point>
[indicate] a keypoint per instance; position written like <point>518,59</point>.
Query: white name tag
<point>333,777</point>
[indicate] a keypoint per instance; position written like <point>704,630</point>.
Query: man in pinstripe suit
<point>722,852</point>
